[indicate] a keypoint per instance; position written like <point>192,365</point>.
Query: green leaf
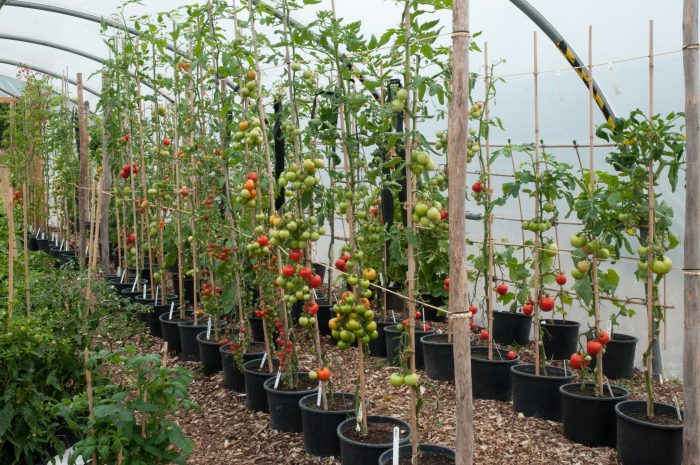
<point>6,415</point>
<point>410,237</point>
<point>584,290</point>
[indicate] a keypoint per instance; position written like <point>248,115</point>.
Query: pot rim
<point>392,328</point>
<point>562,322</point>
<point>245,369</point>
<point>287,393</point>
<point>514,369</point>
<point>620,405</point>
<point>447,451</point>
<point>174,320</point>
<point>495,361</point>
<point>227,349</point>
<point>626,338</point>
<point>342,427</point>
<point>426,340</point>
<point>511,314</point>
<point>208,341</point>
<point>563,390</point>
<point>313,396</point>
<point>190,323</point>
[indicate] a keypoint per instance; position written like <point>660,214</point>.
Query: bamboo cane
<point>536,252</point>
<point>25,225</point>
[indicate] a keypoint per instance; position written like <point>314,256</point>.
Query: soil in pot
<point>430,454</point>
<point>209,353</point>
<point>255,377</point>
<point>188,339</point>
<point>538,396</point>
<point>618,359</point>
<point>559,338</point>
<point>491,379</point>
<point>394,341</point>
<point>438,357</point>
<point>356,449</point>
<point>641,441</point>
<point>319,425</point>
<point>170,330</point>
<point>588,419</point>
<point>283,402</point>
<point>233,376</point>
<point>511,328</point>
<point>377,347</point>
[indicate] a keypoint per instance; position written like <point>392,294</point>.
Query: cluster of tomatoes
<point>294,232</point>
<point>322,374</point>
<point>284,348</point>
<point>249,133</point>
<point>17,198</point>
<point>353,321</point>
<point>428,216</point>
<point>248,193</point>
<point>309,317</point>
<point>301,178</point>
<point>209,290</point>
<point>125,137</point>
<point>222,252</point>
<point>403,326</point>
<point>127,169</point>
<point>296,280</point>
<point>579,360</point>
<point>421,161</point>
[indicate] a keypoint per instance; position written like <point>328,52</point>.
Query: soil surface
<point>659,418</point>
<point>224,431</point>
<point>377,433</point>
<point>428,460</point>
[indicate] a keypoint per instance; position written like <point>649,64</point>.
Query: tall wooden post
<point>457,183</point>
<point>103,194</point>
<point>691,307</point>
<point>6,193</point>
<point>82,180</point>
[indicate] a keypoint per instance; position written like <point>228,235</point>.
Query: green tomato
<point>396,380</point>
<point>577,240</point>
<point>411,379</point>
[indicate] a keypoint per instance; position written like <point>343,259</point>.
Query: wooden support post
<point>104,196</point>
<point>489,191</point>
<point>82,180</point>
<point>691,264</point>
<point>6,192</point>
<point>691,328</point>
<point>537,250</point>
<point>457,182</point>
<point>25,225</point>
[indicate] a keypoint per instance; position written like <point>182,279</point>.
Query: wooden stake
<point>691,307</point>
<point>25,207</point>
<point>489,220</point>
<point>83,179</point>
<point>103,218</point>
<point>12,242</point>
<point>91,404</point>
<point>591,187</point>
<point>537,250</point>
<point>457,182</point>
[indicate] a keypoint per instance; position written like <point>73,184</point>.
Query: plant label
<point>320,393</point>
<point>209,328</point>
<point>145,286</point>
<point>395,447</point>
<point>393,316</point>
<point>136,280</point>
<point>61,247</point>
<point>172,307</point>
<point>381,278</point>
<point>157,289</point>
<point>119,271</point>
<point>262,362</point>
<point>277,379</point>
<point>315,295</point>
<point>608,326</point>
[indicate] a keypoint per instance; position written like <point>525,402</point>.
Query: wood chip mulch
<point>225,432</point>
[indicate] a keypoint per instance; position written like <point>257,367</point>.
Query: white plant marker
<point>277,379</point>
<point>395,447</point>
<point>172,307</point>
<point>208,328</point>
<point>262,362</point>
<point>145,286</point>
<point>320,392</point>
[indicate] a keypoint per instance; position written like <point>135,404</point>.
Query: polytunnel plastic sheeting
<point>620,45</point>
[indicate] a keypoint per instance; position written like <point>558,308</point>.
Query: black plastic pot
<point>285,413</point>
<point>511,328</point>
<point>209,354</point>
<point>559,338</point>
<point>32,244</point>
<point>323,316</point>
<point>126,285</point>
<point>430,313</point>
<point>618,359</point>
<point>538,396</point>
<point>640,442</point>
<point>142,317</point>
<point>319,426</point>
<point>297,309</point>
<point>256,328</point>
<point>587,419</point>
<point>394,302</point>
<point>393,346</point>
<point>149,301</point>
<point>233,376</point>
<point>154,325</point>
<point>377,347</point>
<point>144,274</point>
<point>425,450</point>
<point>255,394</point>
<point>43,244</point>
<point>320,270</point>
<point>353,452</point>
<point>491,379</point>
<point>170,330</point>
<point>188,339</point>
<point>132,295</point>
<point>438,357</point>
<point>187,283</point>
